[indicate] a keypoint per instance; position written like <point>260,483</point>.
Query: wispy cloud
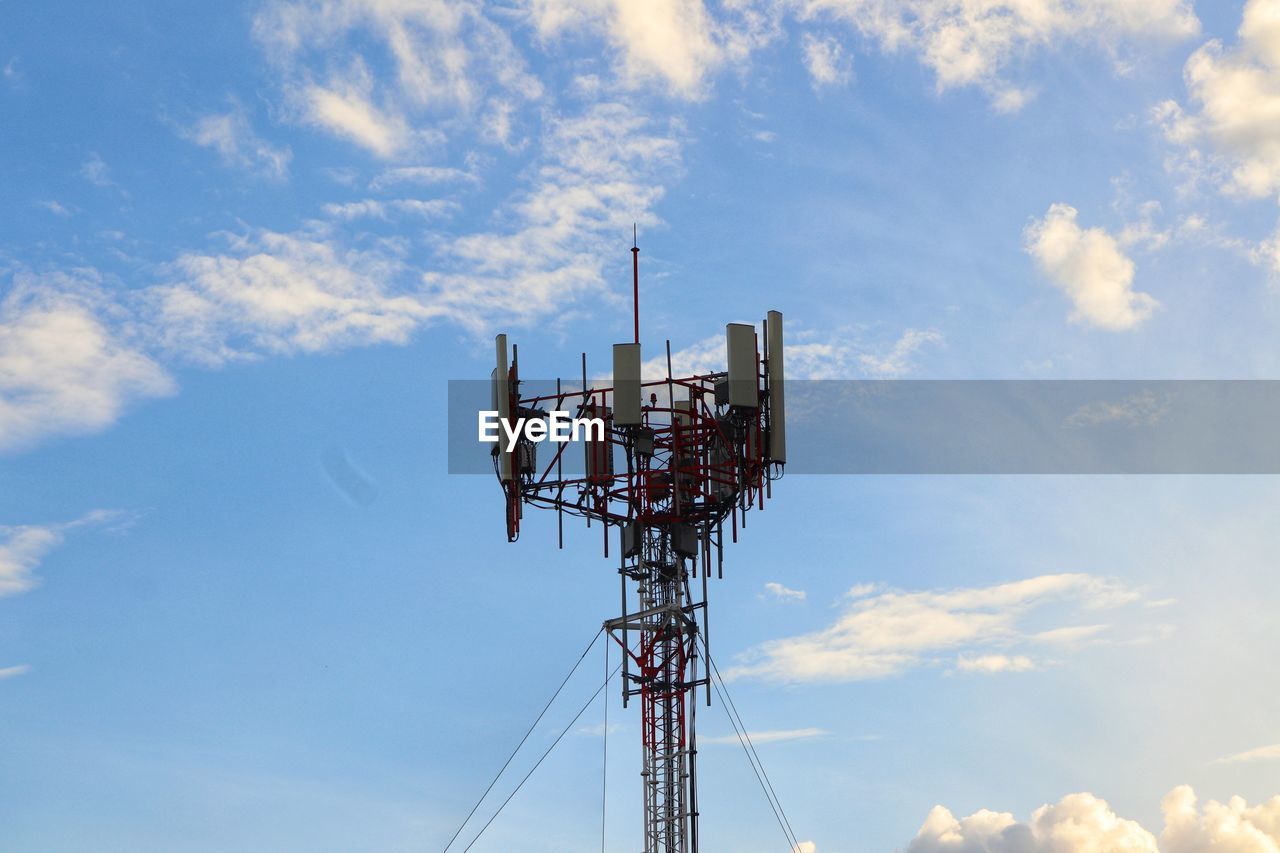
<point>899,360</point>
<point>283,293</point>
<point>22,548</point>
<point>778,592</point>
<point>379,209</point>
<point>973,42</point>
<point>423,175</point>
<point>599,172</point>
<point>826,61</point>
<point>1146,408</point>
<point>992,664</point>
<point>95,170</point>
<point>451,64</point>
<point>887,632</point>
<point>1261,753</point>
<point>346,110</point>
<point>231,136</point>
<point>772,736</point>
<point>14,671</point>
<point>841,356</point>
<point>54,207</point>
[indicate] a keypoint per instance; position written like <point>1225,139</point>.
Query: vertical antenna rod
<point>635,278</point>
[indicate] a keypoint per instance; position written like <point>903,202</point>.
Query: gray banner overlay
<point>982,427</point>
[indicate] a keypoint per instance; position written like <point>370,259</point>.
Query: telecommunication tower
<point>681,461</point>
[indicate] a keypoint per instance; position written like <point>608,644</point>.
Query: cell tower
<point>678,465</point>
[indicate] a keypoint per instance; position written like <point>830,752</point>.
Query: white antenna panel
<point>626,384</point>
<point>777,386</point>
<point>743,359</point>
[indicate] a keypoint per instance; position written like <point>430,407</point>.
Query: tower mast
<point>678,461</point>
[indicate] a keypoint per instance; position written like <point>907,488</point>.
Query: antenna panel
<point>626,384</point>
<point>777,387</point>
<point>743,381</point>
<point>502,390</point>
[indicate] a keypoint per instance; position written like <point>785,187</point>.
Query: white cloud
<point>842,358</point>
<point>782,593</point>
<point>428,175</point>
<point>1261,753</point>
<point>991,664</point>
<point>675,43</point>
<point>14,671</point>
<point>805,847</point>
<point>95,171</point>
<point>54,207</point>
<point>970,42</point>
<point>1231,136</point>
<point>280,294</point>
<point>897,361</point>
<point>231,136</point>
<point>346,110</point>
<point>826,61</point>
<point>428,208</point>
<point>1089,266</point>
<point>22,548</point>
<point>1231,827</point>
<point>1084,823</point>
<point>1145,408</point>
<point>451,64</point>
<point>67,365</point>
<point>777,736</point>
<point>1079,823</point>
<point>600,172</point>
<point>883,633</point>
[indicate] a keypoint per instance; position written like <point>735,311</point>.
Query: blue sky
<point>244,246</point>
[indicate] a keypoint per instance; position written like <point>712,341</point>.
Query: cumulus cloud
<point>230,135</point>
<point>1090,267</point>
<point>1084,823</point>
<point>1079,823</point>
<point>1229,136</point>
<point>68,364</point>
<point>1232,826</point>
<point>970,42</point>
<point>22,548</point>
<point>886,632</point>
